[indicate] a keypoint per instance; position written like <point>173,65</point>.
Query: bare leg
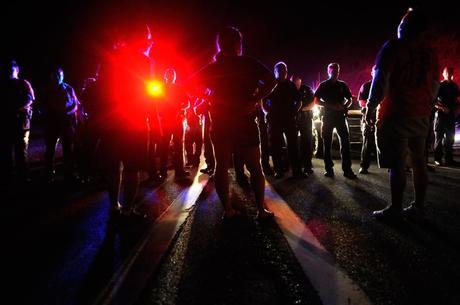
<point>398,185</point>
<point>131,186</point>
<point>251,157</point>
<point>114,184</point>
<point>223,157</point>
<point>420,174</point>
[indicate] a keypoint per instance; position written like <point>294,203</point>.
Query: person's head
<point>333,70</point>
<point>170,76</point>
<point>297,81</point>
<point>136,36</point>
<point>413,23</point>
<point>13,69</point>
<point>448,73</point>
<point>230,42</point>
<point>373,71</point>
<point>57,75</point>
<point>281,71</point>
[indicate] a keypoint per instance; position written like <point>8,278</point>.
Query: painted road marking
<point>334,286</point>
<point>128,282</point>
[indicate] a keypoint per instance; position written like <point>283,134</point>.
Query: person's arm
<point>457,95</point>
<point>348,97</point>
<point>265,105</point>
<point>322,103</point>
<point>380,82</point>
<point>308,100</point>
<point>440,106</point>
<point>29,97</point>
<point>198,84</point>
<point>75,102</point>
<point>199,105</point>
<point>319,100</point>
<point>362,96</point>
<point>297,96</point>
<point>266,82</point>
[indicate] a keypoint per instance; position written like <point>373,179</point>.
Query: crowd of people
<point>240,114</point>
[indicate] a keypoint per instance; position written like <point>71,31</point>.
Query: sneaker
<point>115,210</point>
<point>265,215</point>
<point>329,173</point>
<point>181,174</point>
<point>308,170</point>
<point>438,163</point>
<point>363,171</point>
<point>350,175</point>
<point>414,211</point>
<point>125,211</point>
<point>388,213</point>
<point>207,170</point>
<point>138,213</point>
<point>279,176</point>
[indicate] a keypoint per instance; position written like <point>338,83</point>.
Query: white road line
<point>154,244</point>
<point>332,283</point>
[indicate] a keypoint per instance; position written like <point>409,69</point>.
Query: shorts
<point>128,147</point>
<point>395,137</point>
<point>241,135</point>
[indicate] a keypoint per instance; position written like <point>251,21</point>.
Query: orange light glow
<point>155,88</point>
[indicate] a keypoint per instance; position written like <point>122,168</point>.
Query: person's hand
<point>369,117</point>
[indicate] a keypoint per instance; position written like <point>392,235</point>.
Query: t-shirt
<point>333,92</point>
<point>448,94</point>
<point>171,105</point>
<point>306,95</point>
<point>363,94</point>
<point>405,80</point>
<point>124,81</point>
<point>59,100</point>
<point>283,103</point>
<point>16,93</point>
<point>232,81</point>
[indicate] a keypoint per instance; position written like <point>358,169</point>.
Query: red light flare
<point>155,88</point>
<point>167,52</point>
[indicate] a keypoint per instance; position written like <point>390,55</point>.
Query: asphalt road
<point>62,246</point>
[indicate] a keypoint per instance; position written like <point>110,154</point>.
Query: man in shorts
<point>236,84</point>
<point>404,87</point>
<point>124,140</point>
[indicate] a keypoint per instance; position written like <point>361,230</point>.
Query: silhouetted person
<point>368,131</point>
<point>203,110</point>
<point>404,87</point>
<point>89,129</point>
<point>60,111</point>
<point>335,97</point>
<point>172,111</point>
<point>282,106</point>
<point>305,125</point>
<point>125,132</point>
<point>193,136</point>
<point>236,84</point>
<point>17,98</point>
<point>264,141</point>
<point>444,124</point>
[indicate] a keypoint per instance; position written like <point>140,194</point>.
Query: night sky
<point>40,35</point>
